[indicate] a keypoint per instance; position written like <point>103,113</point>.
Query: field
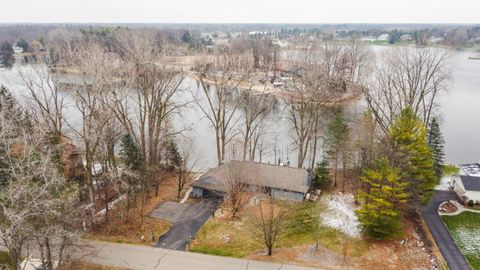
<point>465,230</point>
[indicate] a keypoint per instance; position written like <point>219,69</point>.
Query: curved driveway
<point>440,233</point>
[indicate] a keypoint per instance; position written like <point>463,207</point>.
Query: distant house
<point>280,181</point>
<point>406,38</point>
<point>383,37</point>
<point>17,49</point>
<point>467,183</point>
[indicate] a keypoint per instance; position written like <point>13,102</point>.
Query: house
<point>17,49</point>
<point>467,183</point>
<point>383,37</point>
<point>280,181</point>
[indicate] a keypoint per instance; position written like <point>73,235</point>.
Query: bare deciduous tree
<point>267,223</point>
<point>146,104</point>
<point>255,107</point>
<point>408,77</point>
<point>39,210</point>
<point>235,197</point>
<point>221,106</point>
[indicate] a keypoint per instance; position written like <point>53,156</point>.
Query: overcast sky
<point>242,11</point>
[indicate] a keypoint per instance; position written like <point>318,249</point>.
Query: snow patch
<point>340,214</point>
<point>444,183</point>
<point>469,239</point>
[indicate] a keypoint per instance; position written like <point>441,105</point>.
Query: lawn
<point>227,237</point>
<point>465,230</point>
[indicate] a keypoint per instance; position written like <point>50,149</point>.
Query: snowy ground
<point>469,239</point>
<point>340,214</point>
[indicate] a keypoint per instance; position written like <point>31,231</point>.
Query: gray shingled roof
<point>258,174</point>
<point>471,183</point>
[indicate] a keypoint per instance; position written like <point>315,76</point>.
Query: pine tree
<point>174,158</point>
<point>335,134</point>
<point>13,117</point>
<point>131,153</point>
<point>380,214</point>
<point>321,174</point>
<point>436,143</point>
<point>134,175</point>
<point>6,54</point>
<point>412,154</point>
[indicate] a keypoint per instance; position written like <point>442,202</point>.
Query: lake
<point>459,109</point>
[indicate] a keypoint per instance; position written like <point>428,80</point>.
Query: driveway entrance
<point>187,223</point>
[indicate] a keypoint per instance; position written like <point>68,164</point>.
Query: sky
<point>240,11</point>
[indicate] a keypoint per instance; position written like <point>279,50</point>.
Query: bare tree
<point>226,77</point>
<point>322,76</point>
<point>308,93</point>
<point>39,211</point>
<point>267,223</point>
<point>146,104</point>
<point>408,77</point>
<point>186,165</point>
<point>255,107</point>
<point>48,100</point>
<point>235,197</point>
<point>95,78</point>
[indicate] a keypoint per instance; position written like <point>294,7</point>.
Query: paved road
<point>442,237</point>
<point>187,224</point>
<point>150,258</point>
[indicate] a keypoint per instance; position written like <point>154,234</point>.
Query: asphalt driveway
<point>187,224</point>
<point>440,233</point>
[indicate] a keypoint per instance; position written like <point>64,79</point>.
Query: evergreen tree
<point>131,153</point>
<point>6,54</point>
<point>23,44</point>
<point>380,215</point>
<point>436,143</point>
<point>335,135</point>
<point>12,117</point>
<point>413,155</point>
<point>174,159</point>
<point>321,174</point>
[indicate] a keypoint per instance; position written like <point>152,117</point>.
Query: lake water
<point>460,108</point>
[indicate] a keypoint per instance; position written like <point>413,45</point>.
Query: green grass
<point>465,230</point>
<point>5,259</point>
<point>300,230</point>
<point>208,239</point>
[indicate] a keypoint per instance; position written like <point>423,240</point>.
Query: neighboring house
<point>280,181</point>
<point>17,49</point>
<point>383,37</point>
<point>467,183</point>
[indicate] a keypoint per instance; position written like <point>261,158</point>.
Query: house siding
<point>472,195</point>
<point>288,195</point>
<point>197,192</point>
